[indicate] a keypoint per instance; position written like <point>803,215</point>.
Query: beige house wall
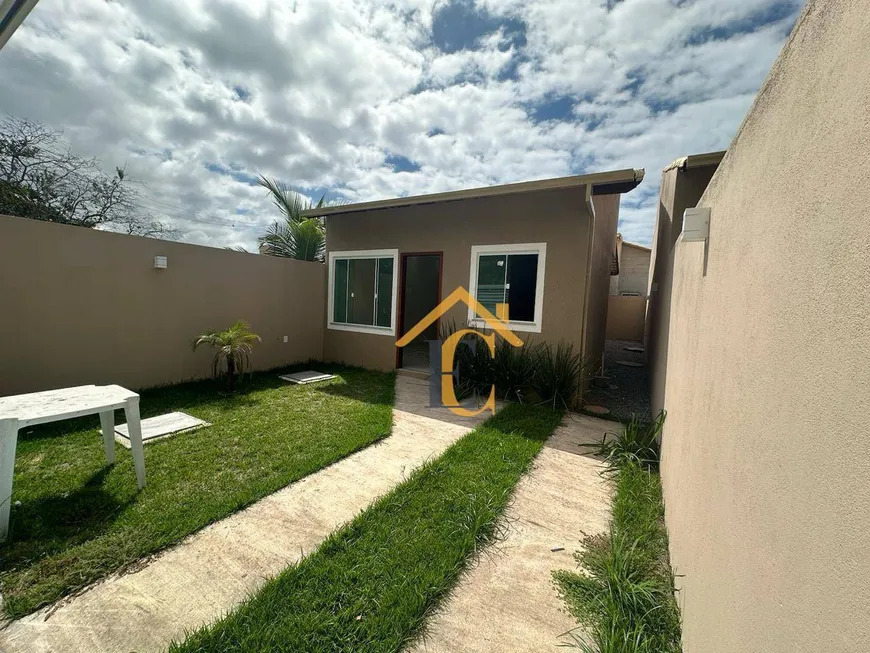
<point>681,188</point>
<point>82,306</point>
<point>765,467</point>
<point>606,219</point>
<point>625,318</point>
<point>556,217</point>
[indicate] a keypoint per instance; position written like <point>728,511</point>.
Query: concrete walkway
<point>198,581</point>
<point>507,603</point>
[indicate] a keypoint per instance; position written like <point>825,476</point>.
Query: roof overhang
<point>696,161</point>
<point>603,183</point>
<point>12,14</point>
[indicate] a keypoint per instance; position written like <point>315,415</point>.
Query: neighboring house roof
<point>636,246</point>
<point>696,161</point>
<point>603,183</point>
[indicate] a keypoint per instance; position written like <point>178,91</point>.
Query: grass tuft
<point>372,584</point>
<point>637,442</point>
<point>81,519</point>
<point>624,597</point>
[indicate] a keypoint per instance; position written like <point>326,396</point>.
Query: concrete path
<point>507,603</point>
<point>202,578</point>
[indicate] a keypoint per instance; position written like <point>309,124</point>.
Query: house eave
<point>603,183</point>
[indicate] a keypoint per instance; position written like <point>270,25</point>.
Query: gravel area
<point>626,392</point>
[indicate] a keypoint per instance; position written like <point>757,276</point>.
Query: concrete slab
<point>162,426</point>
<point>507,603</point>
<point>201,579</point>
<point>309,376</point>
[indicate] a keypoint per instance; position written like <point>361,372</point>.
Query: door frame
<point>400,299</point>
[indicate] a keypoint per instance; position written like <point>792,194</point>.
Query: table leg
<point>8,443</point>
<point>135,430</point>
<point>107,421</point>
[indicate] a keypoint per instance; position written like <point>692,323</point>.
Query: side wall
<point>606,219</point>
<point>765,468</point>
<point>680,189</point>
<point>558,218</point>
<point>82,306</point>
<point>625,318</point>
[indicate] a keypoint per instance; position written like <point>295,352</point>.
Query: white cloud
<point>317,93</point>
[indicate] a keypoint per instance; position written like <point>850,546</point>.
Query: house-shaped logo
<point>498,324</point>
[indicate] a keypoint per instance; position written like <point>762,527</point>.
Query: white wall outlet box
<point>696,224</point>
<point>160,262</point>
<point>285,338</point>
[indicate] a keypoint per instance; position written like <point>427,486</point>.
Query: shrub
<point>638,443</point>
<point>555,374</point>
<point>559,375</point>
<point>513,369</point>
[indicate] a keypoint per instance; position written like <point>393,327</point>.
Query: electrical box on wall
<point>696,224</point>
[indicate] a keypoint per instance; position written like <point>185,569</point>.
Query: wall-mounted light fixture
<point>159,262</point>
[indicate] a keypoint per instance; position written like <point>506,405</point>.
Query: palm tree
<point>295,237</point>
<point>233,346</point>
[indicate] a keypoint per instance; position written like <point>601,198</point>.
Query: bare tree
<point>40,178</point>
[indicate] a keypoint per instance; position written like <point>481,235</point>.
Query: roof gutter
<point>696,161</point>
<point>12,14</point>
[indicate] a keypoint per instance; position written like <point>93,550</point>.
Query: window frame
<point>363,254</point>
<point>515,248</point>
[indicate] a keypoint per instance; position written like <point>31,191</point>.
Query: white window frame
<point>364,254</point>
<point>519,248</point>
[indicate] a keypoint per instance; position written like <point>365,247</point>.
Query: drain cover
<point>309,376</point>
<point>162,426</point>
<point>598,410</point>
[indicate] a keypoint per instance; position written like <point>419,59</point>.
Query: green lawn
<point>371,585</point>
<point>79,519</point>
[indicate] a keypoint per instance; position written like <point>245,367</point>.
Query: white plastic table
<point>21,411</point>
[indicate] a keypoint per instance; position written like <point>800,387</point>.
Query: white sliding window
<point>362,291</point>
<point>512,275</point>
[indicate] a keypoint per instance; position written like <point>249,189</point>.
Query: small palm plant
<point>294,237</point>
<point>233,346</point>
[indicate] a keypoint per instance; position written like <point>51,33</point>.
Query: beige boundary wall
<point>683,183</point>
<point>625,317</point>
<point>766,469</point>
<point>81,306</point>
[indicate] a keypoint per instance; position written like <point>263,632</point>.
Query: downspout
<point>589,241</point>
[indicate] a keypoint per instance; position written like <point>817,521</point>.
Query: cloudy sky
<point>367,99</point>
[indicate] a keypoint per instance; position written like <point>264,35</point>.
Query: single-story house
<point>542,247</point>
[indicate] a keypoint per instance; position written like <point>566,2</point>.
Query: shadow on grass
<point>73,516</point>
